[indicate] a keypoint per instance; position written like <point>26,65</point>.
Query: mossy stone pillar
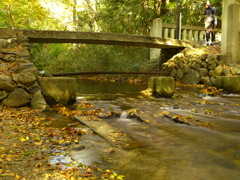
<point>162,86</point>
<point>229,83</point>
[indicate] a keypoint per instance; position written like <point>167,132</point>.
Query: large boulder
<point>58,90</point>
<point>18,98</point>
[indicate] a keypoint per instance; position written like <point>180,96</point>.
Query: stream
<point>170,150</point>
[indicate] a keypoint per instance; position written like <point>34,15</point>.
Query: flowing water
<point>170,150</point>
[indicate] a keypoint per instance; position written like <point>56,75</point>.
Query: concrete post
<point>231,31</point>
<point>156,32</point>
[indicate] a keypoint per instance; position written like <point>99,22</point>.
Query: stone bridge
<point>38,36</point>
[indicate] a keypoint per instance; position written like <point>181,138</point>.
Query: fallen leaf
<point>17,176</point>
<point>38,165</point>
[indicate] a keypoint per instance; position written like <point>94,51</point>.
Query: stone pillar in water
<point>156,31</point>
<point>58,90</point>
<point>162,86</point>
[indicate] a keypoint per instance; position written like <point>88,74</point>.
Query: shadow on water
<point>172,151</point>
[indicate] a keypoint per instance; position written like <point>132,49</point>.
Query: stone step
<point>113,135</point>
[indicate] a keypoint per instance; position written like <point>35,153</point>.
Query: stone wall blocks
<point>33,89</point>
<point>203,56</point>
<point>218,71</point>
<point>226,71</point>
<point>206,80</point>
<point>185,69</point>
<point>38,102</point>
<point>21,38</point>
<point>212,58</point>
<point>1,55</point>
<point>18,98</point>
<point>213,80</point>
<point>173,72</point>
<point>24,53</point>
<point>179,74</point>
<point>26,67</point>
<point>204,65</point>
<point>6,86</point>
<point>13,45</point>
<point>9,58</point>
<point>3,65</point>
<point>203,72</point>
<point>5,78</point>
<point>12,40</point>
<point>195,66</point>
<point>26,78</point>
<point>3,95</point>
<point>211,73</point>
<point>3,43</point>
<point>238,71</point>
<point>180,64</point>
<point>212,65</point>
<point>191,77</point>
<point>234,71</point>
<point>24,60</point>
<point>8,33</point>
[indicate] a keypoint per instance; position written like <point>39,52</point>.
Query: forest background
<point>111,16</point>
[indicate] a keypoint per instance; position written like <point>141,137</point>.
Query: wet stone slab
<point>113,135</point>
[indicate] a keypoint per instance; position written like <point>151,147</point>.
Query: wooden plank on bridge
<point>37,36</point>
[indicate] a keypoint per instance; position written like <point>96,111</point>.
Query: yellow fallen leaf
<point>60,141</point>
<point>9,159</point>
<point>24,139</point>
<point>38,165</point>
<point>38,143</point>
<point>17,176</point>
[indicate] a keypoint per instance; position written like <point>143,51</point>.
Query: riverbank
<point>28,143</point>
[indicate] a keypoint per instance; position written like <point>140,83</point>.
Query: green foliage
<point>22,14</point>
<point>70,58</point>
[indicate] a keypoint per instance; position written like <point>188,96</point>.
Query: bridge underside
<point>37,36</point>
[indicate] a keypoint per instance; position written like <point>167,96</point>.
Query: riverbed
<point>169,150</point>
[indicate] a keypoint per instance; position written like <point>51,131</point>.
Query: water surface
<point>170,151</point>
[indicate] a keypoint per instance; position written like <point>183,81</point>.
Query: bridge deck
<point>38,36</point>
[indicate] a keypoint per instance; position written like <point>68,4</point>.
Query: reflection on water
<point>171,151</point>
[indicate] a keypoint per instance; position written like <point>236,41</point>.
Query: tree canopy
<point>122,16</point>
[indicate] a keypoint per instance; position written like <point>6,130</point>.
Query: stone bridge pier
<point>231,31</point>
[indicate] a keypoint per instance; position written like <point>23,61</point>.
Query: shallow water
<point>169,150</point>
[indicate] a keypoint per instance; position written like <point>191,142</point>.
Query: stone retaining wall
<point>197,66</point>
<point>19,85</point>
<point>18,75</point>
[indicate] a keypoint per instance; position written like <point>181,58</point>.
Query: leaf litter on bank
<point>27,143</point>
